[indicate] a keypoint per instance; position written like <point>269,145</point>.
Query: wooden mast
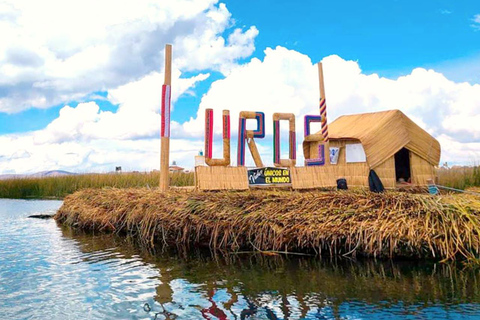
<point>165,129</point>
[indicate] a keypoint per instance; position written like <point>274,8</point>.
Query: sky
<point>80,81</point>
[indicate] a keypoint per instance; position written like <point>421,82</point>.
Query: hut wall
<point>386,172</point>
<point>313,177</point>
<point>221,178</point>
<point>356,174</point>
<point>421,170</point>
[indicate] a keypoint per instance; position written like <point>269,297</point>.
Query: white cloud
<point>287,81</point>
<point>459,153</point>
<point>56,51</point>
<point>137,117</point>
<point>87,139</point>
<point>283,82</point>
<point>476,22</point>
<point>99,155</point>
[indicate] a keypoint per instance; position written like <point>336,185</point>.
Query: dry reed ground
<point>392,224</point>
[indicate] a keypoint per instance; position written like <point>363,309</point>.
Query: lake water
<point>52,272</point>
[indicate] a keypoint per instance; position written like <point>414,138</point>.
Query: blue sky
<point>389,38</point>
<point>96,67</point>
<point>386,37</point>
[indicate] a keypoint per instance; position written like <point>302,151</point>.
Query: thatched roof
<point>382,134</point>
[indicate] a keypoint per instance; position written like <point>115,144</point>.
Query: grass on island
<point>59,187</point>
<point>392,224</point>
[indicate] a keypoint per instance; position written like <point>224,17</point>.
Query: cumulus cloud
<point>85,138</point>
<point>287,81</point>
<point>52,56</point>
<point>98,155</point>
<point>137,116</point>
<point>460,153</point>
<point>283,82</point>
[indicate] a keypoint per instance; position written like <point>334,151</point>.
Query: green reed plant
<point>459,177</point>
<point>59,187</point>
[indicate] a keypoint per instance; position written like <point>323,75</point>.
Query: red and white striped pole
<point>165,127</point>
<point>323,103</point>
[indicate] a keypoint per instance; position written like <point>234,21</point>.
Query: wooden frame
<point>248,135</point>
<point>225,161</point>
<point>291,161</point>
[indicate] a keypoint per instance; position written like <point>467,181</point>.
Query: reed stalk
<point>459,177</point>
<point>391,224</point>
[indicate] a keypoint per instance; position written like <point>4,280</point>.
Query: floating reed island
<point>352,223</point>
<point>382,150</point>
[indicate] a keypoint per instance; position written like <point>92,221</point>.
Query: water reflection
<point>52,272</point>
<point>199,285</point>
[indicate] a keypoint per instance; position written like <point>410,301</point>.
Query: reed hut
<point>391,144</point>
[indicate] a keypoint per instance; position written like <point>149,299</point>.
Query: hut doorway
<point>402,165</point>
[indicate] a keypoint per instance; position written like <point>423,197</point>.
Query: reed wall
<point>355,173</point>
<point>421,170</point>
<point>386,173</point>
<point>313,177</point>
<point>221,178</point>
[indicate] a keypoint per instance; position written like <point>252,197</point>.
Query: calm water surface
<point>51,272</point>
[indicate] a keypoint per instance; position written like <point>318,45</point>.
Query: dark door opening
<point>402,165</point>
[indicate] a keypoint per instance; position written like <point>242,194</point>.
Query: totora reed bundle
<point>392,224</point>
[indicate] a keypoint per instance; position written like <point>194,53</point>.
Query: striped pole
<point>208,133</point>
<point>225,161</point>
<point>165,126</point>
<point>293,145</point>
<point>276,142</point>
<point>323,104</point>
<point>242,131</point>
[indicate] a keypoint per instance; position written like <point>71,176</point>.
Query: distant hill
<point>43,174</point>
<point>52,173</point>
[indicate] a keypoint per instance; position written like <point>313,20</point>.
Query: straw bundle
<point>384,225</point>
<point>313,177</point>
<point>292,159</point>
<point>221,178</point>
<point>386,172</point>
<point>422,171</point>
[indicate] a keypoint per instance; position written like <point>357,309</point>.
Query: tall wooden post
<point>323,113</point>
<point>165,128</point>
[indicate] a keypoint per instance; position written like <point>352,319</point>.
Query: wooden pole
<point>254,151</point>
<point>323,113</point>
<point>165,129</point>
<point>320,78</point>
